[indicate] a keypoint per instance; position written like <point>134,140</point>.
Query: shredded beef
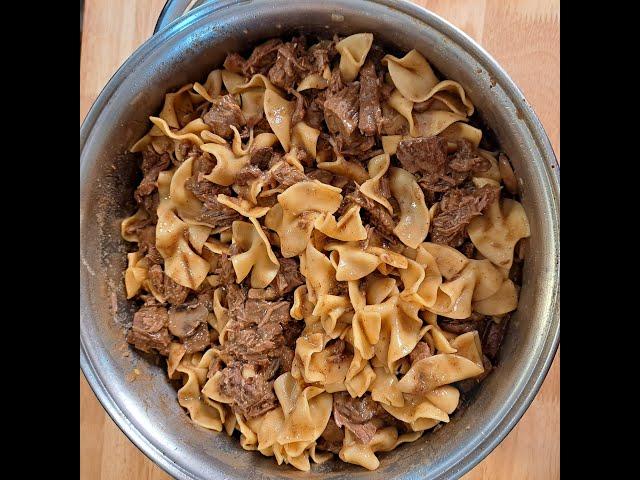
<point>152,165</point>
<point>474,322</point>
<point>286,175</point>
<point>287,279</point>
<point>223,113</point>
<point>260,339</point>
<point>234,63</point>
<point>456,209</point>
<point>260,157</point>
<point>378,216</point>
<point>341,110</point>
<point>262,58</point>
<point>149,331</point>
<point>173,292</point>
<point>370,114</point>
<point>493,336</point>
<point>423,154</point>
<point>287,69</point>
<point>332,437</point>
<point>356,414</point>
<point>147,244</point>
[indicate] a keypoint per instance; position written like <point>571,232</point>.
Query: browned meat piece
<point>149,330</point>
<point>456,209</point>
<point>173,292</point>
<point>217,215</point>
<point>260,157</point>
<point>320,55</point>
<point>147,244</point>
<point>202,164</point>
<point>247,174</point>
<point>392,122</point>
<point>420,351</point>
<point>262,58</point>
<point>286,175</point>
<point>320,175</point>
<point>356,414</point>
<point>493,336</point>
<point>260,338</point>
<point>355,145</point>
<point>287,280</point>
<point>215,366</point>
<point>252,396</point>
<point>376,214</point>
<point>234,63</point>
<point>474,322</point>
<point>256,335</point>
<point>341,110</point>
<point>199,340</point>
<point>187,149</point>
<point>287,69</point>
<point>370,115</point>
<point>423,154</point>
<point>335,82</point>
<point>152,165</point>
<point>300,111</point>
<point>223,113</point>
<point>468,249</point>
<point>315,111</point>
<point>337,350</point>
<point>225,267</point>
<point>332,438</point>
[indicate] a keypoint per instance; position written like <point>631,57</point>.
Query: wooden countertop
<point>523,36</point>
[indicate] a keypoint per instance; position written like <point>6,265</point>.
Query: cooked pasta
<point>323,251</point>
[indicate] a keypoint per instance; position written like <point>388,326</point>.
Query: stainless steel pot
<point>146,409</point>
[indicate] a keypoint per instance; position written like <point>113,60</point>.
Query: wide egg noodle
<point>413,224</point>
<point>496,232</point>
<point>353,52</point>
<point>278,112</point>
<point>412,75</point>
<point>257,256</point>
<point>227,164</point>
<point>194,367</point>
<point>377,168</point>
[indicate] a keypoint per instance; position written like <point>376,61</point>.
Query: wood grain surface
<point>523,36</point>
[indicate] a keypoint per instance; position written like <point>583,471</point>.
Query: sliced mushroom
<point>184,320</point>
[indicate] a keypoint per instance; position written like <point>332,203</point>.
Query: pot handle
<point>174,9</point>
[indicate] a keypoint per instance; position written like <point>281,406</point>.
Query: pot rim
<point>499,428</point>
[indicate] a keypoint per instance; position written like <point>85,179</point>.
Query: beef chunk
<point>147,244</point>
<point>370,114</point>
<point>173,292</point>
<point>234,63</point>
<point>456,209</point>
<point>331,438</point>
<point>287,69</point>
<point>376,214</point>
<point>262,58</point>
<point>420,351</point>
<point>286,175</point>
<point>152,165</point>
<point>287,279</point>
<point>356,414</point>
<point>341,110</point>
<point>300,110</point>
<point>252,396</point>
<point>314,115</point>
<point>225,267</point>
<point>199,340</point>
<point>423,154</point>
<point>149,331</point>
<point>392,122</point>
<point>223,113</point>
<point>355,145</point>
<point>259,343</point>
<point>474,322</point>
<point>493,336</point>
<point>260,157</point>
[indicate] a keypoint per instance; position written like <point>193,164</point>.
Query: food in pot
<point>324,251</point>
